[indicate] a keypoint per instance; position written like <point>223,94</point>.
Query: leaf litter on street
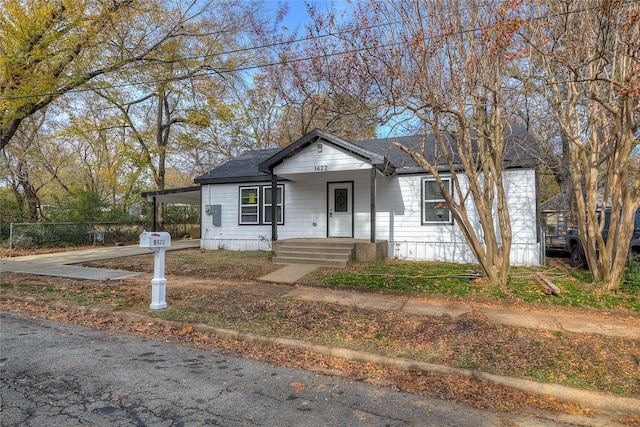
<point>223,297</point>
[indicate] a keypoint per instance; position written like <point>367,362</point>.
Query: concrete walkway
<point>552,319</point>
<point>58,264</point>
<point>288,274</point>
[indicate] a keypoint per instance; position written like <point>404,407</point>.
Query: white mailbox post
<point>158,241</point>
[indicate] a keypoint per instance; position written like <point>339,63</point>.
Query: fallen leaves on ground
<point>477,393</point>
<point>229,302</point>
<point>297,386</point>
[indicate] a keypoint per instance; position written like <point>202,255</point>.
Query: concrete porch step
<point>333,263</point>
<point>321,252</point>
<point>321,243</point>
<point>315,253</point>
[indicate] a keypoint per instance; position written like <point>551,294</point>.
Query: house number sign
<point>321,168</point>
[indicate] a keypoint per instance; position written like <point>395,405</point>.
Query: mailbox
<point>155,239</point>
<point>158,240</point>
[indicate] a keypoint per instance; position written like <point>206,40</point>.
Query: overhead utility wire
<point>241,50</point>
<point>271,64</point>
<point>283,42</point>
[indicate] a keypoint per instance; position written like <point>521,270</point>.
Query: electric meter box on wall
<point>155,239</point>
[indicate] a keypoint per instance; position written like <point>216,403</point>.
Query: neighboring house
<point>327,187</point>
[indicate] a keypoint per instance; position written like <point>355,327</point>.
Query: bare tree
<point>587,59</point>
<point>441,67</point>
<point>310,86</point>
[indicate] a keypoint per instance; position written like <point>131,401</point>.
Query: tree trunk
<point>588,74</point>
<point>33,201</point>
<point>160,169</point>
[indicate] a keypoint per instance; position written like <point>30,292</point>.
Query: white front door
<point>340,214</point>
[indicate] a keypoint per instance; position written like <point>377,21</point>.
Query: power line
<point>283,62</point>
<point>285,42</point>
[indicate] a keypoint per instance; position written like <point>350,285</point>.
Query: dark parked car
<point>576,250</point>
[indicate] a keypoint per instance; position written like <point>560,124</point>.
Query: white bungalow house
<point>368,192</point>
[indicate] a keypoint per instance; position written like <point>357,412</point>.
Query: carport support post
<point>158,283</point>
<point>155,212</point>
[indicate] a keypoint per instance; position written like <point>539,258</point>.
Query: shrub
<point>631,277</point>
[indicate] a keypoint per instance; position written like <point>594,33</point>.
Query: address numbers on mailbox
<point>155,239</point>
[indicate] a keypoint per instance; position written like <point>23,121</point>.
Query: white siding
<point>306,204</point>
<point>522,198</point>
<point>305,211</point>
<point>398,219</point>
<point>310,160</point>
<point>230,235</point>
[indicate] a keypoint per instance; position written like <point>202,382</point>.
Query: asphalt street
<point>56,374</point>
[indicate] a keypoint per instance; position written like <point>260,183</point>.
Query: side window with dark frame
<point>434,206</point>
<point>249,203</point>
<point>255,205</point>
<point>267,205</point>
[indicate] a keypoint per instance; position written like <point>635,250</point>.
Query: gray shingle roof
<point>243,168</point>
<point>519,151</point>
<point>253,166</point>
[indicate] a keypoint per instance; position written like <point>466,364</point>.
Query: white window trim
<point>424,201</point>
<point>266,206</point>
<point>256,205</point>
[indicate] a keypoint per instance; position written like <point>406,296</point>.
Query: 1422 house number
<point>321,168</point>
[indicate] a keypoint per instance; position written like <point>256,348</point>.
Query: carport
<point>184,196</point>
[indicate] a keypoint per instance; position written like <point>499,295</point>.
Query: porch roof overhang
<point>378,161</point>
<point>184,196</point>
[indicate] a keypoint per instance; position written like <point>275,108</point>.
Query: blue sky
<point>296,19</point>
<point>297,16</point>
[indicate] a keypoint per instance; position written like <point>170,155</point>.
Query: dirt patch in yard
<point>197,263</point>
<point>220,290</point>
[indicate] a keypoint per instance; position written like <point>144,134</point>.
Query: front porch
<point>329,252</point>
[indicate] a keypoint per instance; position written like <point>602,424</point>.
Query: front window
<point>249,202</point>
<point>255,205</point>
<point>267,205</point>
<point>434,206</point>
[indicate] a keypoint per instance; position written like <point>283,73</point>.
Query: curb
<point>585,398</point>
<point>589,399</point>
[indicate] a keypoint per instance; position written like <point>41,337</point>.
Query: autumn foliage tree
<point>145,61</point>
<point>49,48</point>
<point>585,59</point>
<point>442,68</point>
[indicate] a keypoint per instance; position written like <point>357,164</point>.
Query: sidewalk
<point>551,319</point>
<point>526,318</point>
<point>58,263</point>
